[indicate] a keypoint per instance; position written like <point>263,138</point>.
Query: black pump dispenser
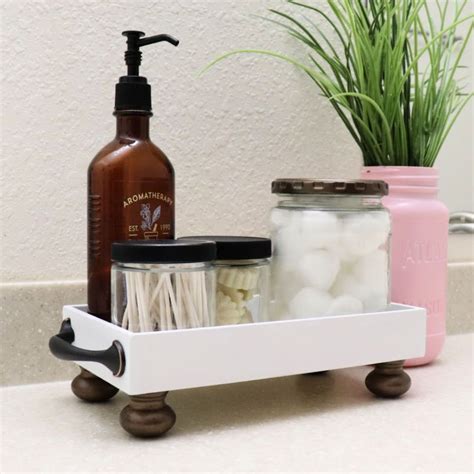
<point>132,92</point>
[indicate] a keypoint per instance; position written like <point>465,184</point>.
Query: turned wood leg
<point>388,380</point>
<point>90,388</point>
<point>147,415</point>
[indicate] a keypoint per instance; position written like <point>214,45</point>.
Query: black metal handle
<point>61,346</point>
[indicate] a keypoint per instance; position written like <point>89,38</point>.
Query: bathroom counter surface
<point>324,422</point>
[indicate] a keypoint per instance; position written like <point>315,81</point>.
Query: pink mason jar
<point>419,246</point>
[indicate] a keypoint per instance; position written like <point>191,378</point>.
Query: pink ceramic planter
<point>419,246</point>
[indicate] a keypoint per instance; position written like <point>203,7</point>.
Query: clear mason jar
<point>331,248</point>
<point>243,278</point>
<point>163,285</point>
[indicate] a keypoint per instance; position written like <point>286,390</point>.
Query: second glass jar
<point>243,278</point>
<point>331,248</point>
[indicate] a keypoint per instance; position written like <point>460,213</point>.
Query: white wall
<point>456,164</point>
<point>456,159</point>
<point>228,134</point>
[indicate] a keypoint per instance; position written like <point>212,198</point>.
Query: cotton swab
<point>166,301</point>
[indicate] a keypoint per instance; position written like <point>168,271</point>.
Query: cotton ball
<point>375,301</point>
<point>347,284</point>
<point>345,305</point>
<point>285,291</point>
<point>372,270</point>
<point>280,217</point>
<point>373,295</point>
<point>285,282</point>
<point>364,233</point>
<point>287,243</point>
<point>319,229</point>
<point>345,256</point>
<point>319,269</point>
<point>384,223</point>
<point>309,303</point>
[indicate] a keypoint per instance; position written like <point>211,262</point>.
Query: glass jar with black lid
<point>160,285</point>
<point>243,278</point>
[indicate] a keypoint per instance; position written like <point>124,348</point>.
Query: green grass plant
<point>390,69</point>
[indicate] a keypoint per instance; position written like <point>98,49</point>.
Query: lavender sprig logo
<point>148,219</point>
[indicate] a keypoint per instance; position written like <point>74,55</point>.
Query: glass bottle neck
<point>133,126</point>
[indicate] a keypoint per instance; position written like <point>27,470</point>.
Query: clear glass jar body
<point>161,297</point>
<point>330,255</point>
<point>243,291</point>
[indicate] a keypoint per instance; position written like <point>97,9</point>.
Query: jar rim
<point>361,187</point>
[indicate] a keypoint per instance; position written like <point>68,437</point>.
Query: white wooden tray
<point>171,360</point>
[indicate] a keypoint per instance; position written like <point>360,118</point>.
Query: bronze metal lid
<point>323,186</point>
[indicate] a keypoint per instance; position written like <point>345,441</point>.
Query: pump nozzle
<point>133,93</point>
<point>133,55</point>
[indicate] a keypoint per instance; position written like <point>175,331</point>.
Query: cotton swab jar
<point>162,285</point>
<point>331,248</point>
<point>243,278</point>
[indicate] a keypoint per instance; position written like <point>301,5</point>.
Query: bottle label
<point>148,215</point>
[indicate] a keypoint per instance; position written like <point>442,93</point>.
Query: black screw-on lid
<point>237,248</point>
<point>163,251</point>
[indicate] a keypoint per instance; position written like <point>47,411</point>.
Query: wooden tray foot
<point>388,380</point>
<point>90,388</point>
<point>147,415</point>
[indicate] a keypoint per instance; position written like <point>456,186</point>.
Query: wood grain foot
<point>92,389</point>
<point>147,415</point>
<point>388,380</point>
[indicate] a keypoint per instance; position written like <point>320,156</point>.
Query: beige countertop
<point>326,422</point>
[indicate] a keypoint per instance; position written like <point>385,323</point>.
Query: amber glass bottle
<point>130,181</point>
<point>131,196</point>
